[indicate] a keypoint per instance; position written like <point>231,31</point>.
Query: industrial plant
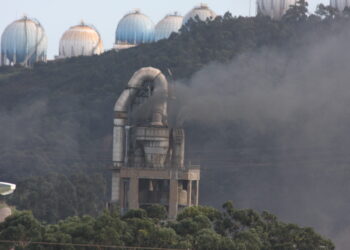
<point>24,41</point>
<point>149,156</point>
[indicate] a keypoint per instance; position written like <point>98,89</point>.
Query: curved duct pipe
<point>159,113</point>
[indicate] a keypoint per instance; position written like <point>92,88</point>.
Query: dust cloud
<point>276,132</point>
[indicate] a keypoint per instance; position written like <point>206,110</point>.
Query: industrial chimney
<point>148,156</point>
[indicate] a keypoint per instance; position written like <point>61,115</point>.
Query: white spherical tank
<point>203,12</point>
<point>23,42</point>
<point>274,8</point>
<point>80,40</point>
<point>340,4</point>
<point>168,25</point>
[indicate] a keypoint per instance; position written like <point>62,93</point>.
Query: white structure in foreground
<point>7,188</point>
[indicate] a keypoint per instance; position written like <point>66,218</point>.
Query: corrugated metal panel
<point>340,4</point>
<point>203,12</point>
<point>168,25</point>
<point>274,8</point>
<point>135,28</point>
<point>80,40</point>
<point>24,41</point>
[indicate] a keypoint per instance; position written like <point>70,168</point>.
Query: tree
<point>157,212</point>
<point>23,228</point>
<point>327,12</point>
<point>297,13</point>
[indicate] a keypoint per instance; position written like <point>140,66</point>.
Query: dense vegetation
<point>56,127</point>
<point>200,228</point>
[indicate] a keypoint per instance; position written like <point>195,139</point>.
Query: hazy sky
<point>58,15</point>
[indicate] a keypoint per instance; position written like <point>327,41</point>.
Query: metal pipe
<point>159,117</point>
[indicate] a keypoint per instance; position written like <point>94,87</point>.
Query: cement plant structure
<point>148,156</point>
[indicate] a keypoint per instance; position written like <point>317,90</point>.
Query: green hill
<point>56,117</point>
<point>56,121</point>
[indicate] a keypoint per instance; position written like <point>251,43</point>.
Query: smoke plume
<point>277,132</point>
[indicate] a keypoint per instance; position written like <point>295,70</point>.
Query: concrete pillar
<point>173,198</point>
<point>197,193</point>
<point>189,193</point>
<point>122,196</point>
<point>134,193</point>
<point>115,186</point>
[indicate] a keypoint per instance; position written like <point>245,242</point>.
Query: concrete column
<point>115,186</point>
<point>122,195</point>
<point>173,198</point>
<point>134,193</point>
<point>189,193</point>
<point>197,193</point>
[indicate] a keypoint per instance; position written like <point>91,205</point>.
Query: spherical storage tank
<point>135,28</point>
<point>23,42</point>
<point>340,4</point>
<point>203,12</point>
<point>274,8</point>
<point>80,40</point>
<point>168,25</point>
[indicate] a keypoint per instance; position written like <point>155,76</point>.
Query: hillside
<point>57,116</point>
<point>56,120</point>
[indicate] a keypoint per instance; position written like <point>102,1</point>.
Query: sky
<point>58,15</point>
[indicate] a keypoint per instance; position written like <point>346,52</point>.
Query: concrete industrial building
<point>273,8</point>
<point>148,156</point>
<point>23,42</point>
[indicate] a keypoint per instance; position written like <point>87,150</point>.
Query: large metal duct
<point>159,112</point>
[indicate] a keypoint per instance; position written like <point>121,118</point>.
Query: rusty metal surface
<point>80,40</point>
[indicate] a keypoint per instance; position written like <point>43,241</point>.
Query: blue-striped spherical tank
<point>168,25</point>
<point>203,12</point>
<point>135,28</point>
<point>24,42</point>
